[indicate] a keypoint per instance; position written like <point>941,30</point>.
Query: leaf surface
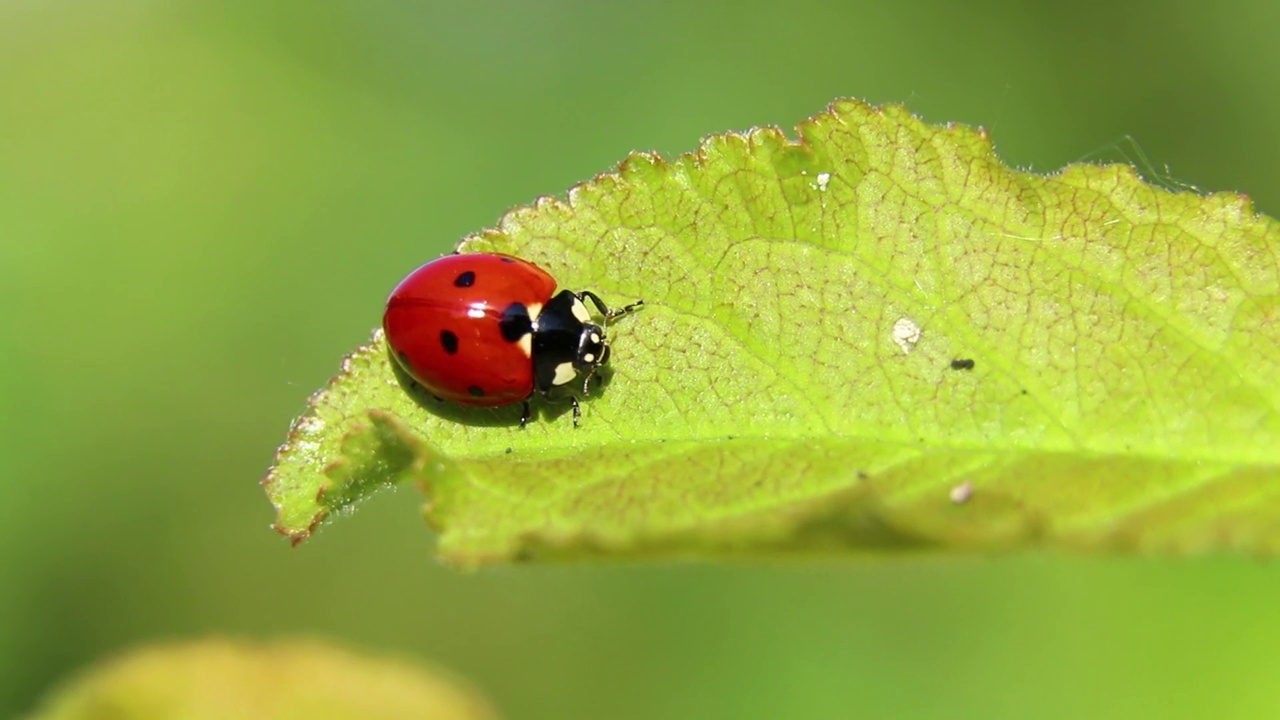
<point>874,337</point>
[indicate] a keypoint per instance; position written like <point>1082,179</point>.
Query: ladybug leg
<point>604,309</point>
<point>577,410</point>
<point>524,414</point>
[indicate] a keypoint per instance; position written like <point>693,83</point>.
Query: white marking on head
<point>595,337</point>
<point>525,343</point>
<point>580,311</point>
<point>589,357</point>
<point>564,374</point>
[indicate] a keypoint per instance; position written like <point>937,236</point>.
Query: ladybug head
<point>593,348</point>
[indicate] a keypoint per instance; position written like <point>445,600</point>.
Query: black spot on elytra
<point>466,279</point>
<point>449,342</point>
<point>476,391</point>
<point>515,322</point>
<point>962,364</point>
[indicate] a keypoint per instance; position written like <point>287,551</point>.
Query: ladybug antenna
<point>604,309</point>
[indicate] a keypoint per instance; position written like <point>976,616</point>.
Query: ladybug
<point>486,329</point>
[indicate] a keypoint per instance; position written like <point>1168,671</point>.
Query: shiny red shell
<point>443,324</point>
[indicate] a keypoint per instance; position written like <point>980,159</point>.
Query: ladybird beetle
<point>486,329</point>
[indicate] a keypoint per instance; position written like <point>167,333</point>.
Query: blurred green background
<point>203,205</point>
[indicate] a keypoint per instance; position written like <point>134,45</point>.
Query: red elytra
<point>487,329</point>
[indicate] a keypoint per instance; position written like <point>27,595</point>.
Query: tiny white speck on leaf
<point>906,333</point>
<point>823,179</point>
<point>961,493</point>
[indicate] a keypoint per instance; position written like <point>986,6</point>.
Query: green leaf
<point>219,679</point>
<point>796,382</point>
